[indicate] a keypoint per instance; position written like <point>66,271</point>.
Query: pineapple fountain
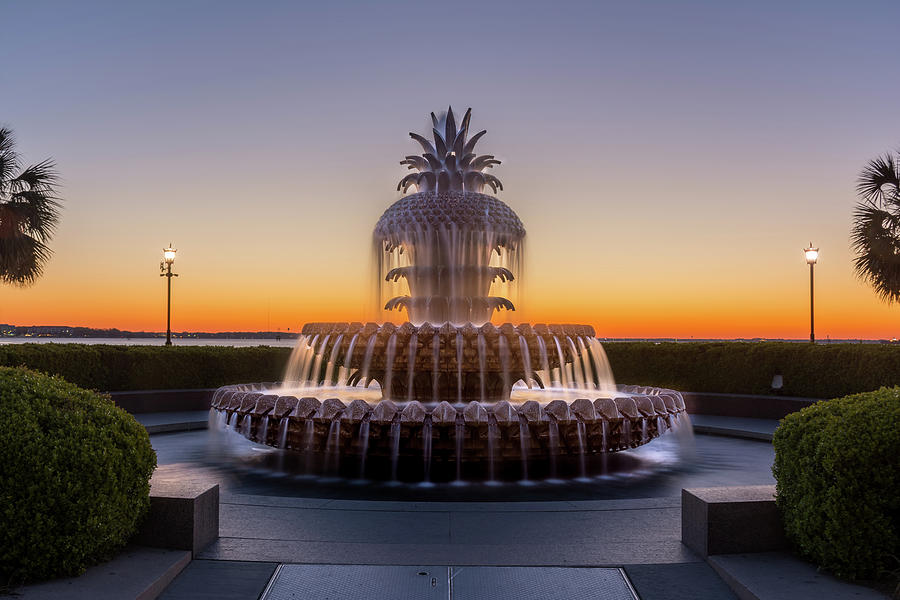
<point>447,395</point>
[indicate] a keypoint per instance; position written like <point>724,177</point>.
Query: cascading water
<point>517,398</point>
<point>329,370</point>
<point>332,448</point>
<point>553,439</point>
<point>459,436</point>
<point>426,449</point>
<point>309,440</point>
<point>525,444</point>
<point>395,449</point>
<point>459,366</point>
<point>582,449</point>
<point>492,435</point>
<point>282,433</point>
<point>364,447</point>
<point>411,367</point>
<point>264,430</point>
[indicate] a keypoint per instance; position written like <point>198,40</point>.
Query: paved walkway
<point>583,534</point>
<point>346,548</point>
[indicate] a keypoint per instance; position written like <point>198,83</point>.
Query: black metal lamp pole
<point>166,268</point>
<point>812,255</point>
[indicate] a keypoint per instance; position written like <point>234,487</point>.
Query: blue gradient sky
<point>669,160</point>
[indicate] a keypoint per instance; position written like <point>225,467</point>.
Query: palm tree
<point>29,211</point>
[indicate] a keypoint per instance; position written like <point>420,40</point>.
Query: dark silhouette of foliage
<point>29,212</point>
<point>876,227</point>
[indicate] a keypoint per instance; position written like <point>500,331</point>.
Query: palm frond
<point>41,178</point>
<point>29,212</point>
<point>9,158</point>
<point>879,179</point>
<point>875,238</point>
<point>22,259</point>
<point>35,213</point>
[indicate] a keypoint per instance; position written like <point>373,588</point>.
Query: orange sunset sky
<point>669,165</point>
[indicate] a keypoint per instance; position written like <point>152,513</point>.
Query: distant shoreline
<point>63,331</point>
<point>57,333</point>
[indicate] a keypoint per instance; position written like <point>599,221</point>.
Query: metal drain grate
<point>525,583</point>
<point>352,582</point>
<point>365,582</point>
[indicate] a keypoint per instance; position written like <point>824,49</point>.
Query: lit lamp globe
<point>812,254</point>
<point>169,255</point>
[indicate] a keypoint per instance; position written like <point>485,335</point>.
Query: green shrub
<point>115,368</point>
<point>74,476</point>
<point>839,485</point>
<point>809,370</point>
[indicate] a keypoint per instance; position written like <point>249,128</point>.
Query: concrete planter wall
<point>150,401</point>
<point>743,405</point>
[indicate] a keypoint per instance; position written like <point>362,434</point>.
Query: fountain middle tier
<point>447,362</point>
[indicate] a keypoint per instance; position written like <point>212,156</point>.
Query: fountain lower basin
<point>354,434</point>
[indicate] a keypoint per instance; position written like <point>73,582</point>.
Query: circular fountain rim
<point>581,407</point>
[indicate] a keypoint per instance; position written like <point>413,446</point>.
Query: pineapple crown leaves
<point>449,163</point>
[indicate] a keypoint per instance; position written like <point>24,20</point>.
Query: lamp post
<point>812,255</point>
<point>166,267</point>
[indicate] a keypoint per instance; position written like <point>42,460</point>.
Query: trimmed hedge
<point>116,368</point>
<point>838,485</point>
<point>74,476</point>
<point>809,370</point>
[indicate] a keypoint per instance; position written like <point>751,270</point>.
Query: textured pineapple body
<point>445,251</point>
<point>464,211</point>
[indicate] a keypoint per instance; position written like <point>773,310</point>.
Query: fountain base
<point>412,441</point>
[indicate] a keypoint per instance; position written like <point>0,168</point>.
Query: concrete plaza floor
<point>351,536</point>
<point>285,536</point>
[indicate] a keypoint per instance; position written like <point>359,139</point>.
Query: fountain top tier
<point>448,252</point>
<point>449,163</point>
